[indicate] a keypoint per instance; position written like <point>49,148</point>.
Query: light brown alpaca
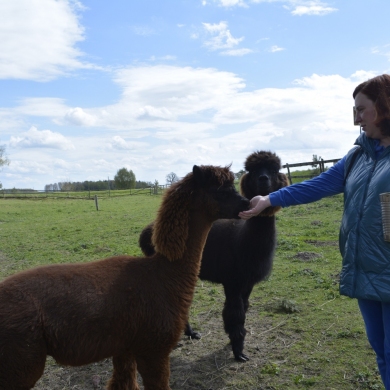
<point>133,309</point>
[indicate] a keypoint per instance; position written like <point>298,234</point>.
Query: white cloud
<point>20,167</point>
<point>312,8</point>
<point>297,7</point>
<point>118,143</point>
<point>38,39</point>
<point>48,107</point>
<point>168,92</point>
<point>34,138</point>
<point>231,3</point>
<point>237,52</point>
<point>77,116</point>
<point>275,49</point>
<point>163,58</point>
<point>143,30</point>
<point>382,50</point>
<point>222,38</point>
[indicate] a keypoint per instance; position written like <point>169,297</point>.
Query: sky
<point>89,87</point>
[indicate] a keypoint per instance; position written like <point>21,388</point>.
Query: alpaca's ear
<point>145,240</point>
<point>243,185</point>
<point>283,180</point>
<point>198,175</point>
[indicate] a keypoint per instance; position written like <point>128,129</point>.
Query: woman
<point>361,175</point>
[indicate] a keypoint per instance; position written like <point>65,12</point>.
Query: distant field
<point>301,333</point>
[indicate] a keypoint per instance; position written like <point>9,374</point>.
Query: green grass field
<point>301,332</point>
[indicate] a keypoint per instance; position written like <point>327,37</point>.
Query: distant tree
<point>124,179</point>
<point>171,178</point>
<point>66,186</point>
<point>143,184</point>
<point>238,174</point>
<point>3,159</point>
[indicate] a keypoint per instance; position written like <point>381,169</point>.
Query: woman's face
<point>366,115</point>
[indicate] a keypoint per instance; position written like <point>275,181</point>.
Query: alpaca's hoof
<point>195,336</point>
<point>242,357</point>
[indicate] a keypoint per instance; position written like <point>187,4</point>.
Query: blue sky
<point>88,87</point>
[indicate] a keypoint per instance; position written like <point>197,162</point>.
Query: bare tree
<point>171,178</point>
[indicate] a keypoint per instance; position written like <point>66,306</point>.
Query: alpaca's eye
<point>223,193</point>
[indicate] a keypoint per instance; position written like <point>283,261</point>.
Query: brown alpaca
<point>133,309</point>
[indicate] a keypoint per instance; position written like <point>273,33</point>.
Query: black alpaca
<point>238,254</point>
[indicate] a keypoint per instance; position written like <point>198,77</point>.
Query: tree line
<point>89,185</point>
<point>124,179</point>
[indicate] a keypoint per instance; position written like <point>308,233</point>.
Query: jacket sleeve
<point>330,182</point>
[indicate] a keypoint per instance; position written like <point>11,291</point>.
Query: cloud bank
<point>38,39</point>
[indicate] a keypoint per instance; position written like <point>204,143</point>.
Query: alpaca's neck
<point>259,224</point>
<point>185,271</point>
<point>198,230</point>
<point>189,265</point>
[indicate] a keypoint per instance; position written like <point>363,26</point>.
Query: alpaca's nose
<point>263,178</point>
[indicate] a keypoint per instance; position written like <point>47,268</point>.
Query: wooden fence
<point>42,194</point>
<point>154,190</point>
<point>321,163</point>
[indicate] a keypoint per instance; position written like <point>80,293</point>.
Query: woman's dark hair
<point>377,89</point>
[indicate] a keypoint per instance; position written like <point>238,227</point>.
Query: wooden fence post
<point>96,203</point>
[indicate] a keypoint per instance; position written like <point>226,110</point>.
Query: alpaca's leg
<point>154,370</point>
<point>124,376</point>
<point>234,319</point>
<point>22,362</point>
<point>188,331</point>
<point>245,297</point>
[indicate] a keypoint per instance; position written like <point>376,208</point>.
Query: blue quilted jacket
<point>366,256</point>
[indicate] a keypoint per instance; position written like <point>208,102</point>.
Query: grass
<point>301,333</point>
<point>56,231</point>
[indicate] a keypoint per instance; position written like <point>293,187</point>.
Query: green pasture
<point>301,332</point>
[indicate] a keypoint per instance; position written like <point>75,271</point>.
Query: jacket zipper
<point>372,169</point>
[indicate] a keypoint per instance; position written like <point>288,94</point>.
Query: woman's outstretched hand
<point>257,205</point>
